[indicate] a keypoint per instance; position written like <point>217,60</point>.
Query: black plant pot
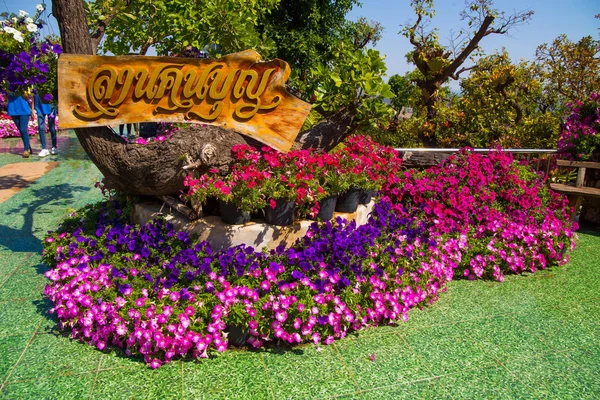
<point>326,208</point>
<point>365,196</point>
<point>237,336</point>
<point>282,214</point>
<point>211,206</point>
<point>231,215</point>
<point>347,202</point>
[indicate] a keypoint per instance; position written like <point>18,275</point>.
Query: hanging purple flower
<point>24,57</point>
<point>37,79</point>
<point>57,49</point>
<point>43,68</point>
<point>34,51</point>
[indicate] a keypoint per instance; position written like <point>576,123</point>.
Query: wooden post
<point>580,177</point>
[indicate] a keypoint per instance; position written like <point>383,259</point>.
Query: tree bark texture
<point>158,168</point>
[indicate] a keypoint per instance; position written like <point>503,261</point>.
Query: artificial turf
<point>532,336</point>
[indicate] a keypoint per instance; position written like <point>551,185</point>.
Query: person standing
<point>20,111</point>
<point>44,110</point>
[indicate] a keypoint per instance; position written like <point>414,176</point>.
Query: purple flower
<point>25,57</point>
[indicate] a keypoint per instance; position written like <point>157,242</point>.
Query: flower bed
<point>9,129</point>
<point>506,213</point>
<point>152,291</point>
<point>155,292</point>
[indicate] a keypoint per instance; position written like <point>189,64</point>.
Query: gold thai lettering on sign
<point>181,90</point>
<point>238,91</point>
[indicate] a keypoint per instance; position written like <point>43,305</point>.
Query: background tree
<point>438,63</point>
<point>569,71</point>
<point>305,32</point>
<point>405,90</point>
<point>354,80</point>
<point>363,32</point>
<point>500,104</point>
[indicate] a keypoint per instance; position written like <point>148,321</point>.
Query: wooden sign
<point>238,92</point>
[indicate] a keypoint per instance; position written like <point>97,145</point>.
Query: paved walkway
<point>535,336</point>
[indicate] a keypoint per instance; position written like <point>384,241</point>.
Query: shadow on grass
<point>43,307</point>
<point>589,229</point>
<point>22,239</point>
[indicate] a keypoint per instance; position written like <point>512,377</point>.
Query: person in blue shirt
<point>44,110</point>
<point>20,111</point>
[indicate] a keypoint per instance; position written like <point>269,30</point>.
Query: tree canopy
<point>568,70</point>
<point>133,26</point>
<point>437,62</point>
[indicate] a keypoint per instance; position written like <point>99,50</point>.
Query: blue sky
<point>575,18</point>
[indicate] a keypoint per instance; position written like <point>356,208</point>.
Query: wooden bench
<point>578,192</point>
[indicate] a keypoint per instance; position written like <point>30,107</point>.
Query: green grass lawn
<point>532,336</point>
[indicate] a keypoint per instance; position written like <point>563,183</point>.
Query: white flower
<point>23,13</point>
<point>40,7</point>
<point>18,36</point>
<point>32,27</point>
<point>29,20</point>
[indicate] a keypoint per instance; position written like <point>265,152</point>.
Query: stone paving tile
<point>486,383</point>
<point>53,356</point>
<point>11,349</point>
<point>19,317</point>
<point>555,376</point>
<point>448,349</point>
<point>426,389</point>
<point>392,362</point>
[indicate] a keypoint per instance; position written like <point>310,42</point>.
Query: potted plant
<point>24,56</point>
<point>325,184</point>
<point>351,180</point>
<point>238,193</point>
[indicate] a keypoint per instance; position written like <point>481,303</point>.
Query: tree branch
<point>471,46</point>
<point>412,31</point>
<point>455,76</point>
<point>101,25</point>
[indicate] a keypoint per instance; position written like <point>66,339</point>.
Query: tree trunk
<point>157,168</point>
<point>429,96</point>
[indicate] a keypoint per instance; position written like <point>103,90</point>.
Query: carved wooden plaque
<point>238,91</point>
